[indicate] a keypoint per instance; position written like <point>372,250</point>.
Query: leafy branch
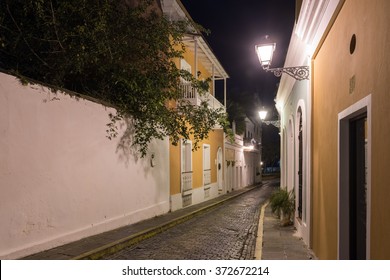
<point>119,52</point>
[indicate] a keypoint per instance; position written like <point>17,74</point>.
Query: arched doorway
<point>219,168</point>
<point>302,193</point>
<point>290,155</point>
<point>300,170</point>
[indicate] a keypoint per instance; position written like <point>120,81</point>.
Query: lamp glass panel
<point>265,52</point>
<point>262,114</point>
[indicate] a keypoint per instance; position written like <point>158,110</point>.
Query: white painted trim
<point>290,181</point>
<point>184,142</point>
<point>197,196</point>
<point>300,105</point>
<point>314,19</point>
<point>203,162</point>
<point>309,160</point>
<point>184,65</point>
<point>283,159</point>
<point>362,106</point>
<point>220,173</point>
<point>175,11</point>
<point>303,226</point>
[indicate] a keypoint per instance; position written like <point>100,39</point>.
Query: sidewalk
<point>278,243</point>
<point>94,247</point>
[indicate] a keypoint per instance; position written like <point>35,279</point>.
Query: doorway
<point>354,181</point>
<point>300,164</point>
<point>219,169</point>
<point>357,188</point>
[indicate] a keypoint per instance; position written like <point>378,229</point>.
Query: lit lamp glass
<point>265,53</point>
<point>262,114</point>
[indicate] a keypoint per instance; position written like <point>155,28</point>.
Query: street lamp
<point>263,114</point>
<point>265,52</point>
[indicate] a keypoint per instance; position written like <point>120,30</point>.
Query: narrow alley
<point>226,232</point>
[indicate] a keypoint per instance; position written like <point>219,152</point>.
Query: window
<point>186,165</point>
<point>184,65</point>
<point>206,165</point>
<point>186,156</point>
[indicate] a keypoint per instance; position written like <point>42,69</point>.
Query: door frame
<point>359,108</point>
<point>219,168</point>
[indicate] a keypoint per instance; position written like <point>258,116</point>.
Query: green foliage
<point>237,114</point>
<point>120,53</point>
<point>283,200</point>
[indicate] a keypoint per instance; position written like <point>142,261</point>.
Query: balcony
<point>249,141</point>
<point>251,144</point>
<point>186,187</point>
<point>206,177</point>
<point>190,94</point>
<point>186,181</point>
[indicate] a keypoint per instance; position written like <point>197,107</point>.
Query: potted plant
<point>283,204</point>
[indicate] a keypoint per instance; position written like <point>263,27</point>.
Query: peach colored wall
<point>215,140</point>
<point>174,168</point>
<point>190,58</point>
<point>333,67</point>
<point>61,179</point>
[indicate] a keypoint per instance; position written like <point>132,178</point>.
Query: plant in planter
<point>283,204</point>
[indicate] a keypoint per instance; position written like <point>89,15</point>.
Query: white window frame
<point>186,156</point>
<point>206,162</point>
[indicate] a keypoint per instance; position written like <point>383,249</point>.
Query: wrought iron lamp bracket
<point>274,123</point>
<point>299,72</point>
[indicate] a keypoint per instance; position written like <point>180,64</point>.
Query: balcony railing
<point>190,94</point>
<point>207,177</point>
<point>186,181</point>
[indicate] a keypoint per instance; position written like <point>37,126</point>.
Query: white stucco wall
<point>198,196</point>
<point>243,173</point>
<point>61,178</point>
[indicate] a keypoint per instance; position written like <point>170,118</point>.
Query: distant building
<point>243,157</point>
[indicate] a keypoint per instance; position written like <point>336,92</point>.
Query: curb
<point>120,244</point>
<point>260,231</point>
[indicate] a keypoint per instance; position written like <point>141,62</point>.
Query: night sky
<point>236,27</point>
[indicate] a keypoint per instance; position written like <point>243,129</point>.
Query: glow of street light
<point>262,114</point>
<point>265,53</point>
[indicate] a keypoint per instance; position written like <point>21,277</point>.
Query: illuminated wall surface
<point>215,141</point>
<point>352,63</point>
<point>61,178</point>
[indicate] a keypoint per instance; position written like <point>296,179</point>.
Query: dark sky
<point>236,27</point>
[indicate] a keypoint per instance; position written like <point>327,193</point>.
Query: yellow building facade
<point>350,134</point>
<point>197,175</point>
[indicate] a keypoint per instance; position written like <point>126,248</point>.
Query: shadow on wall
<point>125,149</point>
<point>155,163</point>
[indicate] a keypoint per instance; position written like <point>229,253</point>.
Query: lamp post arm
<point>274,123</point>
<point>299,72</point>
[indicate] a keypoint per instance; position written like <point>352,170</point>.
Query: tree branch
<point>54,24</point>
<point>24,39</point>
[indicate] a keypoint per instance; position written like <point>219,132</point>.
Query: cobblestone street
<point>226,232</point>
